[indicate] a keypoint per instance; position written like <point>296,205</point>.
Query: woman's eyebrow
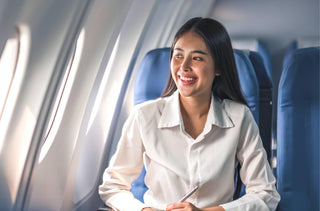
<point>195,51</point>
<point>200,52</point>
<point>178,49</point>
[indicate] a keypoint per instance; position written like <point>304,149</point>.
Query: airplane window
<point>8,62</point>
<point>62,97</point>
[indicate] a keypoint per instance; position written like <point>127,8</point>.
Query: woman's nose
<point>185,65</point>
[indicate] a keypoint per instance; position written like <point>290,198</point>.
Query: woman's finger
<point>181,206</point>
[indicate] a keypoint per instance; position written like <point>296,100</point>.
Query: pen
<point>187,195</point>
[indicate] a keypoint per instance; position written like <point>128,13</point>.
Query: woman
<point>193,135</point>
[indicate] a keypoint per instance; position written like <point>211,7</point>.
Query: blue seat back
<point>260,70</point>
<point>265,100</point>
<point>152,77</point>
<point>248,82</point>
<point>291,48</point>
<point>257,46</point>
<point>263,51</point>
<point>298,132</point>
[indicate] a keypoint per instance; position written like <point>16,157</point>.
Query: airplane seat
<point>248,82</point>
<point>260,70</point>
<point>298,132</point>
<point>265,100</point>
<point>291,48</point>
<point>156,65</point>
<point>257,46</point>
<point>300,43</point>
<point>262,49</point>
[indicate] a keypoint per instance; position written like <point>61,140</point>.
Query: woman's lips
<point>187,80</point>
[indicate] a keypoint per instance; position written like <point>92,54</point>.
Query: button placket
<point>194,168</point>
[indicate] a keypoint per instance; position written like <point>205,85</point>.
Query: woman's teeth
<point>186,78</point>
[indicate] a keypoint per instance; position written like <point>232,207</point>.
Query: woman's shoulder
<point>235,109</point>
<point>150,106</point>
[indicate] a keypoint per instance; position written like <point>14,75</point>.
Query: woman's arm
<point>255,173</point>
<point>190,207</point>
<point>125,166</point>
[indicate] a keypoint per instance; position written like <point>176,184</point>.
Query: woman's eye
<point>178,56</point>
<point>197,58</point>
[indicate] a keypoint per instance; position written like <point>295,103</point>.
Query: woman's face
<point>192,66</point>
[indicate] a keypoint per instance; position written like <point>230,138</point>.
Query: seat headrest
<point>292,47</point>
<point>262,49</point>
<point>257,46</point>
<point>260,69</point>
<point>300,77</point>
<point>152,75</point>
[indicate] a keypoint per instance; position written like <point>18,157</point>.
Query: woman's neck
<point>194,114</point>
<point>195,107</point>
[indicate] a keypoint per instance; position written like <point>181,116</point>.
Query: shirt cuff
<point>125,202</point>
<point>229,206</point>
<point>246,202</point>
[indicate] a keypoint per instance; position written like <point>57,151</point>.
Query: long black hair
<point>226,85</point>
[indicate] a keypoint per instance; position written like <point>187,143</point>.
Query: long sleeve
<point>125,166</point>
<point>255,173</point>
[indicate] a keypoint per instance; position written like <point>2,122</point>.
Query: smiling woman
<point>227,84</point>
<point>174,136</point>
<point>192,67</point>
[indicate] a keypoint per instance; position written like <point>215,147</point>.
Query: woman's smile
<point>187,80</point>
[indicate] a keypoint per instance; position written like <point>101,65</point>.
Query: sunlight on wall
<point>63,96</point>
<point>8,63</point>
<point>14,164</point>
<point>102,86</point>
<point>24,38</point>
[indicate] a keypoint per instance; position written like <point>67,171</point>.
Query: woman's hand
<point>147,209</point>
<point>186,206</point>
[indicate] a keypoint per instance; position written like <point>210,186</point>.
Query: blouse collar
<point>171,115</point>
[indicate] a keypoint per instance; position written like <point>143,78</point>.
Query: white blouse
<point>154,136</point>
